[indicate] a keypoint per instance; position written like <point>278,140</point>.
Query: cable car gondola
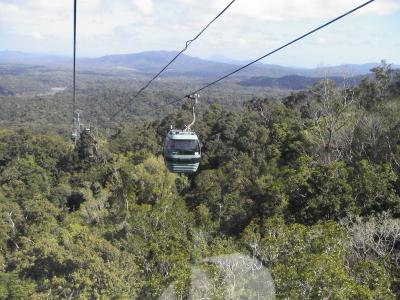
<point>182,151</point>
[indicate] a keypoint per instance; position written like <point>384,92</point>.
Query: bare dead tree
<point>335,117</point>
<point>376,238</point>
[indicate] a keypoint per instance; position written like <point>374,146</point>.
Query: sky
<point>249,29</point>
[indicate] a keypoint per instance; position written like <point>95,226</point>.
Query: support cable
<point>264,56</point>
<point>74,67</point>
<point>174,59</point>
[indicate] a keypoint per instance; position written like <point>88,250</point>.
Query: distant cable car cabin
<point>182,151</point>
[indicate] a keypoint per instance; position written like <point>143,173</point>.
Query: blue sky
<point>248,29</point>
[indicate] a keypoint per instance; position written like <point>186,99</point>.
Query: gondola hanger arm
<point>194,99</point>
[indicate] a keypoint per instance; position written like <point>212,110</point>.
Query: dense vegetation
<point>40,97</point>
<point>309,186</point>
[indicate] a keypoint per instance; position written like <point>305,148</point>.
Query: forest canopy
<point>308,185</point>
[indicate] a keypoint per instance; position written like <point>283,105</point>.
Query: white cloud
<point>383,8</point>
<point>144,6</point>
<point>246,30</point>
<point>284,10</point>
<point>37,35</point>
<point>321,40</point>
<point>61,5</point>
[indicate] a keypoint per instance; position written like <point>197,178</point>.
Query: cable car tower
<point>76,128</point>
<point>76,122</point>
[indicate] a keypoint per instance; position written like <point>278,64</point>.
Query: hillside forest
<point>305,184</point>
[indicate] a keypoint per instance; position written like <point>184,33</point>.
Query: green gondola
<point>182,151</point>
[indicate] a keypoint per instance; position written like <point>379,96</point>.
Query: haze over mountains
<point>296,82</point>
<point>152,61</point>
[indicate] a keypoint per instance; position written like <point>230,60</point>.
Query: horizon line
<point>209,58</point>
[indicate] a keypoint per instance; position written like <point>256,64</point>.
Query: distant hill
<point>227,60</point>
<point>294,82</point>
<point>5,92</point>
<point>348,70</point>
<point>152,61</point>
<point>185,65</point>
<point>16,57</point>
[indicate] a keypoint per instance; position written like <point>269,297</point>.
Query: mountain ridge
<point>295,82</point>
<point>185,65</point>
